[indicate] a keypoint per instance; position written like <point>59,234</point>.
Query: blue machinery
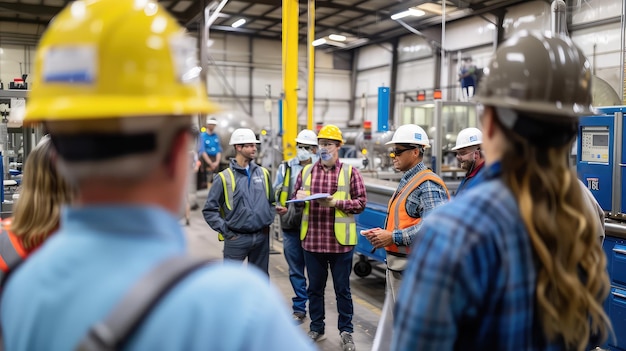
<point>601,165</point>
<point>378,194</point>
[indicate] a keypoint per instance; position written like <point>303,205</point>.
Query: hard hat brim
<point>307,142</point>
<point>466,145</point>
<point>412,142</point>
<point>78,107</point>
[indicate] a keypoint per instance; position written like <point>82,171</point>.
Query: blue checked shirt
<point>470,280</point>
<point>422,200</point>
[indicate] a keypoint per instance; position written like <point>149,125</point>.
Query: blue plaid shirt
<point>470,281</point>
<point>422,200</point>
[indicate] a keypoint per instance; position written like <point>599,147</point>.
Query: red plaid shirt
<point>321,234</point>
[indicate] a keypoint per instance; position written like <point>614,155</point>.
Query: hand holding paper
<point>328,201</point>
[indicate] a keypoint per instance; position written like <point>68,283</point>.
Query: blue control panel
<point>596,154</point>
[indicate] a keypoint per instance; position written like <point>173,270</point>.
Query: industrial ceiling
<point>359,21</point>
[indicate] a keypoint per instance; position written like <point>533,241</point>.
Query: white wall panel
<point>10,58</point>
<point>605,57</point>
<point>369,81</point>
<point>332,85</point>
<point>413,47</point>
<point>470,32</point>
<point>416,75</point>
<point>374,56</point>
<point>269,51</point>
<point>532,15</point>
<point>586,11</point>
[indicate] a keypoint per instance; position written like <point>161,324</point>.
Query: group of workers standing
<point>512,262</point>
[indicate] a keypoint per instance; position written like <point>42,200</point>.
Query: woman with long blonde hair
<point>514,263</point>
<point>38,209</point>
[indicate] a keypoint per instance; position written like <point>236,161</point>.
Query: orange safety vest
<point>397,218</point>
<point>12,253</point>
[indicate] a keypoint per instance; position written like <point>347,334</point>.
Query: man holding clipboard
<point>328,231</point>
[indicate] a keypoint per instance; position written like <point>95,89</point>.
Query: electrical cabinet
<point>615,304</point>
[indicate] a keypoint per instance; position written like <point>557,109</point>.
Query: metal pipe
<point>559,21</point>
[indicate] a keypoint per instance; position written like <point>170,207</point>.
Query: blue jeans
<point>294,254</point>
<point>256,247</point>
<point>340,267</point>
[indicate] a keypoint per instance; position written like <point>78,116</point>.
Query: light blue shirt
<point>296,168</point>
<point>210,143</point>
<point>83,270</point>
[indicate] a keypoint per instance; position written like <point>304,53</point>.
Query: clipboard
<point>310,197</point>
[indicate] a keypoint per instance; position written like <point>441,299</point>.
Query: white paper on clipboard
<point>311,197</point>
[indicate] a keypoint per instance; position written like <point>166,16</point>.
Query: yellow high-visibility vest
<point>345,224</point>
<point>284,191</point>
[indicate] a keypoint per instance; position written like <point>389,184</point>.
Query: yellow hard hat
<point>115,58</point>
<point>331,132</point>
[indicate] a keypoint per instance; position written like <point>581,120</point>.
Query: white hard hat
<point>243,136</point>
<point>410,134</point>
<point>307,137</point>
<point>211,120</point>
<point>468,137</point>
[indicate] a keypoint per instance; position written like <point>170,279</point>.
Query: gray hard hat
<point>540,74</point>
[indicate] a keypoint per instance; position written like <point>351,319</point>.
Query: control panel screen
<point>594,144</point>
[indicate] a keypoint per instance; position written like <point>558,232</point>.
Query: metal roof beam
<point>32,10</point>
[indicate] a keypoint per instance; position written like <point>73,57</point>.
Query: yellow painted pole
<point>290,77</point>
<point>310,102</point>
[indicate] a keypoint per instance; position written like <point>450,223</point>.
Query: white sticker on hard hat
<point>185,58</point>
<point>70,64</point>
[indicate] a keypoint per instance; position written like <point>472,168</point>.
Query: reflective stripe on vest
<point>397,217</point>
<point>228,182</point>
<point>345,224</point>
<point>284,191</point>
<point>9,254</point>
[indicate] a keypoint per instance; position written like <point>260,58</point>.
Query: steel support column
<point>311,61</point>
<point>290,76</point>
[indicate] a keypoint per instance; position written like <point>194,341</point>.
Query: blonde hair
<point>43,192</point>
<point>572,281</point>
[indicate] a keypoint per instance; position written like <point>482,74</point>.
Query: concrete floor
<point>367,293</point>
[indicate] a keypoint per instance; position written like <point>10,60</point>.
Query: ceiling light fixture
<point>318,42</point>
<point>337,37</point>
<point>238,23</point>
<point>410,12</point>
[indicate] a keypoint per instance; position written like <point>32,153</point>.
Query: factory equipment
<point>442,120</point>
<point>601,166</point>
<point>16,142</point>
<point>602,158</point>
<point>227,122</point>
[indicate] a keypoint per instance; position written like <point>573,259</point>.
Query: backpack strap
<point>138,302</point>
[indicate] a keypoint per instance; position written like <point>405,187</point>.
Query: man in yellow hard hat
<point>328,231</point>
<point>117,88</point>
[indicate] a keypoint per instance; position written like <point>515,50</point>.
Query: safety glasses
<point>397,152</point>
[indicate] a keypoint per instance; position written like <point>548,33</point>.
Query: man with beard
<point>240,205</point>
<point>469,156</point>
<point>419,191</point>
